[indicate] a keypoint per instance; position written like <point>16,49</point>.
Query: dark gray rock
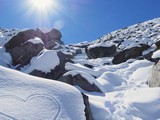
<point>19,39</point>
<point>100,51</point>
<point>88,113</point>
<point>51,38</point>
<point>80,81</point>
<point>133,52</point>
<point>24,53</point>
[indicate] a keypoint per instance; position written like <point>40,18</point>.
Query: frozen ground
<point>126,95</point>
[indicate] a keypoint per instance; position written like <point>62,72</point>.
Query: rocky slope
<point>108,70</point>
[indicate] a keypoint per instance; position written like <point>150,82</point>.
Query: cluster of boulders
<point>29,44</point>
<point>22,49</point>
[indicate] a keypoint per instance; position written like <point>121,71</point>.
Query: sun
<point>43,12</point>
<point>42,5</point>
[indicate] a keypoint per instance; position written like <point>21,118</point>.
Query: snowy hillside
<point>119,72</point>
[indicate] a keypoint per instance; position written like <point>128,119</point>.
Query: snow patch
<point>36,40</point>
<point>156,54</point>
<point>46,62</point>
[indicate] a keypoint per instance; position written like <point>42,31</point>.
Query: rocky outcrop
<point>50,39</point>
<point>80,81</point>
<point>23,51</point>
<point>154,79</point>
<point>100,51</point>
<point>19,39</point>
<point>56,72</point>
<point>126,54</point>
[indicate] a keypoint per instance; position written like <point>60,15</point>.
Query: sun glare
<point>42,5</point>
<point>43,11</point>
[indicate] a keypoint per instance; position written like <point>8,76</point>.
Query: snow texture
<point>45,62</point>
<point>156,54</point>
<point>126,95</point>
<point>24,97</point>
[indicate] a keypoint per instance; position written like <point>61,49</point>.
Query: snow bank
<point>1,34</point>
<point>5,58</point>
<point>145,103</point>
<point>46,62</point>
<point>109,81</point>
<point>70,66</point>
<point>156,54</point>
<point>24,97</point>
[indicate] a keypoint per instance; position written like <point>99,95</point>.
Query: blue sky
<point>80,20</point>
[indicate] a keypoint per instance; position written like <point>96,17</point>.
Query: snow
<point>125,93</point>
<point>31,98</point>
<point>70,66</point>
<point>5,58</point>
<point>87,76</point>
<point>156,54</point>
<point>44,62</point>
<point>107,44</point>
<point>1,34</point>
<point>36,40</point>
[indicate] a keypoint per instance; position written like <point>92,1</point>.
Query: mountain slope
<point>113,71</point>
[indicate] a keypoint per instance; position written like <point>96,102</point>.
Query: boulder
<point>126,54</point>
<point>19,39</point>
<point>80,81</point>
<point>154,79</point>
<point>24,53</point>
<point>50,38</point>
<point>56,72</point>
<point>100,51</point>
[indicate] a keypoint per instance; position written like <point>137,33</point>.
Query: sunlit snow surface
<point>24,97</point>
<point>126,96</point>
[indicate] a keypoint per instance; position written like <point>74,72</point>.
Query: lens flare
<point>42,5</point>
<point>43,10</point>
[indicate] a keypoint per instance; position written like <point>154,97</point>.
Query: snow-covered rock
<point>100,50</point>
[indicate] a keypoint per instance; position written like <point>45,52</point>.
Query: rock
<point>88,113</point>
<point>100,51</point>
<point>80,81</point>
<point>24,53</point>
<point>158,44</point>
<point>19,39</point>
<point>49,38</point>
<point>154,79</point>
<point>56,72</point>
<point>133,52</point>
